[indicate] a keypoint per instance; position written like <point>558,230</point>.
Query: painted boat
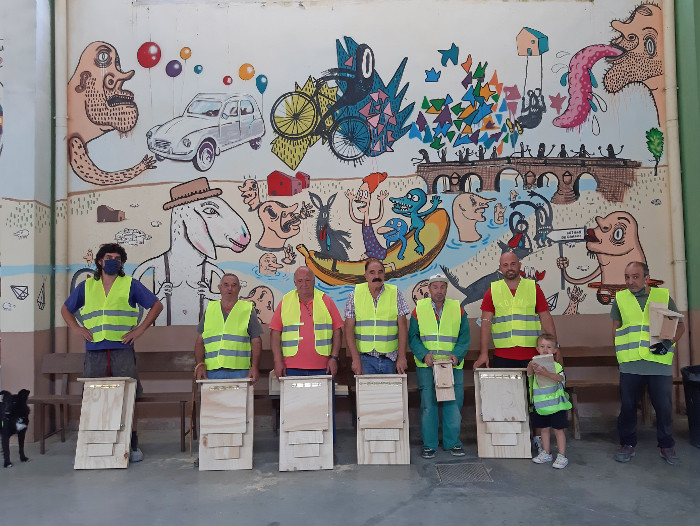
<point>433,236</point>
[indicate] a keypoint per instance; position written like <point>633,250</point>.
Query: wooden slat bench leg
<point>574,414</point>
<point>182,424</point>
<point>64,420</point>
<point>42,430</point>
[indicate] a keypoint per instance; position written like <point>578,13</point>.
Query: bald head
<point>509,265</point>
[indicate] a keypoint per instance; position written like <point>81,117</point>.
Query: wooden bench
<point>64,367</point>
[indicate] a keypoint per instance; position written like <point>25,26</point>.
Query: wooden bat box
<point>106,418</point>
<point>306,423</point>
<point>502,418</point>
<point>226,425</point>
<point>546,361</point>
<point>662,323</point>
<point>382,419</point>
<point>444,380</point>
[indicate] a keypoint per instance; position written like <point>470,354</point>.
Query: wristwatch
<point>333,358</point>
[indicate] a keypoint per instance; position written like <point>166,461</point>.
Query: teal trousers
<point>451,411</point>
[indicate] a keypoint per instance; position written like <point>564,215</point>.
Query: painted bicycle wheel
<point>294,115</point>
<point>350,138</point>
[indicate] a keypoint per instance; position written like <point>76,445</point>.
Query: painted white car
<point>211,124</point>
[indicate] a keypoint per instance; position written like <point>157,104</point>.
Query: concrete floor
<point>166,488</point>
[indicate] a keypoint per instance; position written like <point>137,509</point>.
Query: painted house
<point>279,183</point>
<point>305,180</point>
<point>531,43</point>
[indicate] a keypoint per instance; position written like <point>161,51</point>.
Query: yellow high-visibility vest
<point>376,329</point>
<point>227,343</point>
<point>291,323</point>
<point>515,322</point>
<point>108,317</point>
<point>551,399</point>
<point>439,339</point>
<point>632,338</point>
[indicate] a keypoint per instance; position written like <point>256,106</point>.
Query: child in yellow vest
<point>549,404</point>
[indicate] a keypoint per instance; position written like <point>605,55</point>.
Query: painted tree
<point>655,145</point>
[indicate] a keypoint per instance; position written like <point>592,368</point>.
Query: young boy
<point>549,404</point>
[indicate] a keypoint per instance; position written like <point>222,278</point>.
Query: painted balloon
<point>185,53</point>
<point>148,54</point>
<point>174,68</point>
<point>198,69</point>
<point>246,71</point>
<point>228,80</point>
<point>261,83</point>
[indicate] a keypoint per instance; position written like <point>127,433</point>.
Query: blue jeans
<point>451,411</point>
<point>316,372</point>
<point>631,388</point>
<point>374,365</point>
<point>227,374</point>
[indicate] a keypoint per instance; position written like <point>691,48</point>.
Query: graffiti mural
<point>361,116</point>
<point>200,222</point>
<point>98,104</point>
<point>541,130</point>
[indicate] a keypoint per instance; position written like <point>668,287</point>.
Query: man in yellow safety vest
<point>228,345</point>
<point>108,303</point>
<point>439,329</point>
<point>641,363</point>
<point>375,324</point>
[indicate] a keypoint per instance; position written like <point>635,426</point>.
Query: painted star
<point>556,102</point>
<point>432,75</point>
<point>449,55</point>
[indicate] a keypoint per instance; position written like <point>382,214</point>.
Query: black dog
<point>15,418</point>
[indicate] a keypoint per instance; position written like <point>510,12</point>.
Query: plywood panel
<point>306,450</point>
<point>382,434</point>
<point>305,403</point>
<point>503,427</point>
<point>274,384</point>
<point>230,450</point>
<point>382,446</point>
<point>486,448</point>
<point>294,393</point>
<point>442,373</point>
<point>223,439</point>
<point>380,401</point>
<point>305,437</point>
<point>223,407</point>
<point>226,452</point>
<point>504,439</point>
<point>119,457</point>
<point>546,361</point>
<point>100,450</point>
<point>102,405</point>
<point>382,439</point>
<point>503,396</point>
<point>100,437</point>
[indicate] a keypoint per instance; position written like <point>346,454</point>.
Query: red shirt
<point>516,353</point>
<point>307,357</point>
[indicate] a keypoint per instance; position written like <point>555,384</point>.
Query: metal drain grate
<point>461,473</point>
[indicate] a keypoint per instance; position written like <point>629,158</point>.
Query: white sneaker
<point>542,458</point>
<point>537,443</point>
<point>561,462</point>
<point>136,455</point>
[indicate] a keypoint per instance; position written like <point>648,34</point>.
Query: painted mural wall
<point>253,138</point>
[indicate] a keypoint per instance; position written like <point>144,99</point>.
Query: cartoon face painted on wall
<point>250,194</point>
<point>641,61</point>
<point>98,104</point>
<point>279,223</point>
<point>98,83</point>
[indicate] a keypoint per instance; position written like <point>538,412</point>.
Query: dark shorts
<point>122,362</point>
<point>509,363</point>
<point>556,420</point>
